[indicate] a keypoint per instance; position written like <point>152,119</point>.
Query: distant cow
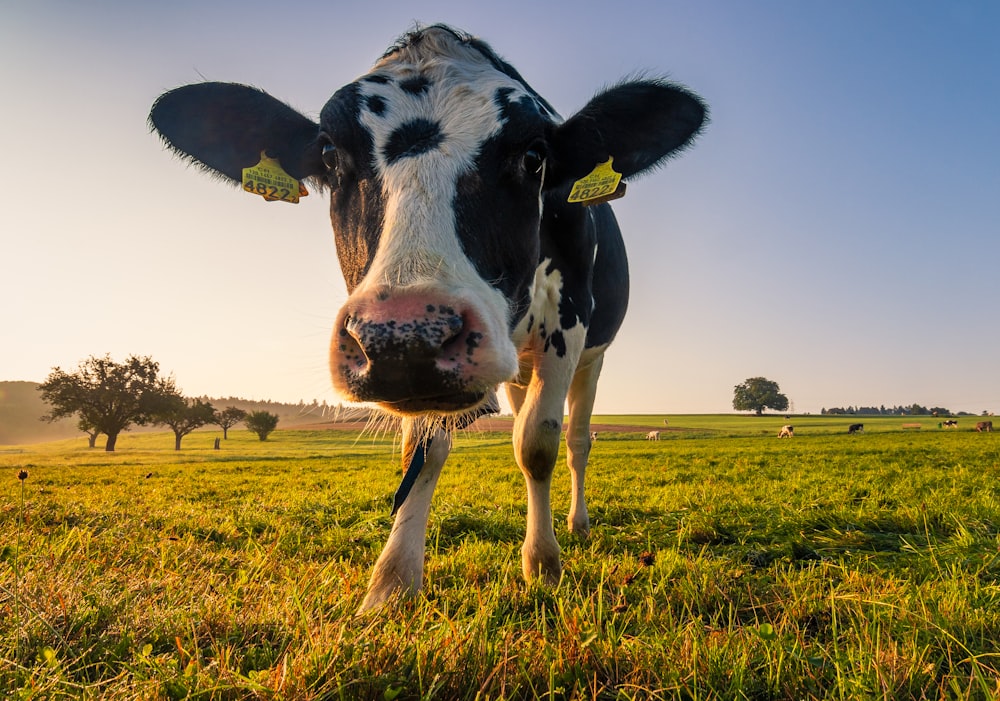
<point>950,423</point>
<point>653,436</point>
<point>855,428</point>
<point>984,426</point>
<point>786,432</point>
<point>593,435</point>
<point>476,244</point>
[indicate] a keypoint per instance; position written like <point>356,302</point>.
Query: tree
<point>183,416</point>
<point>261,423</point>
<point>227,418</point>
<point>757,394</point>
<point>107,396</point>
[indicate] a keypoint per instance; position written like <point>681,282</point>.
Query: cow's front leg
<point>400,567</point>
<point>537,431</point>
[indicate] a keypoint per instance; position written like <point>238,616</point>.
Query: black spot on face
<point>375,104</point>
<point>376,78</point>
<point>415,85</point>
<point>413,138</point>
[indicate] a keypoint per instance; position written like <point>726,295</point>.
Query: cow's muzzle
<point>412,354</point>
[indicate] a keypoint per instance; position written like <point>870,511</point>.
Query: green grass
<point>823,567</point>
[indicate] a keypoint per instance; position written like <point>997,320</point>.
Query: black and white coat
<point>448,178</point>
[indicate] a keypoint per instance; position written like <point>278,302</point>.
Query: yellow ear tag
<point>271,182</point>
<point>603,183</point>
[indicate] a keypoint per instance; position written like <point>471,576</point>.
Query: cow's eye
<point>329,155</point>
<point>533,160</point>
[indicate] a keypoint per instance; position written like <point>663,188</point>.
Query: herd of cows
<point>788,430</point>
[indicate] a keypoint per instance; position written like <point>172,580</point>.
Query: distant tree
<point>183,415</point>
<point>107,396</point>
<point>92,433</point>
<point>757,394</point>
<point>261,423</point>
<point>227,418</point>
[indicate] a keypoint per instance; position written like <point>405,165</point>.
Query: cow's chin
<point>457,406</point>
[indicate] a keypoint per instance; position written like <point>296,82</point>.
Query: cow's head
<point>438,164</point>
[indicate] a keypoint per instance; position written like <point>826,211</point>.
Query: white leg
<point>537,430</point>
<point>581,396</point>
<point>400,567</point>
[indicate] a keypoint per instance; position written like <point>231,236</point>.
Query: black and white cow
<point>855,428</point>
<point>950,423</point>
<point>449,179</point>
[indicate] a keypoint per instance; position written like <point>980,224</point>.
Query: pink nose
<point>408,353</point>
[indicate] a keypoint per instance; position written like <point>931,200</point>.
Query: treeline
<point>911,410</point>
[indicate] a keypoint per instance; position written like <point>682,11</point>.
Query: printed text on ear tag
<point>603,183</point>
<point>271,182</point>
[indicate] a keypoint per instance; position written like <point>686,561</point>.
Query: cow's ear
<point>225,127</point>
<point>638,123</point>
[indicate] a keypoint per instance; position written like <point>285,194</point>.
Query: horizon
<point>834,228</point>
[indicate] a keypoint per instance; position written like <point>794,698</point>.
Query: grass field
<point>723,564</point>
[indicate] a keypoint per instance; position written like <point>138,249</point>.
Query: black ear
<point>637,123</point>
<point>225,126</point>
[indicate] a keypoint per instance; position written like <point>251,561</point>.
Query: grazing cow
<point>984,426</point>
<point>787,432</point>
<point>470,223</point>
<point>855,428</point>
<point>653,436</point>
<point>950,423</point>
<point>593,435</point>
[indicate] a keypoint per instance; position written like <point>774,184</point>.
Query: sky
<point>834,229</point>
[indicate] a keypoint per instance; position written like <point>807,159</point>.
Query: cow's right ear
<point>225,127</point>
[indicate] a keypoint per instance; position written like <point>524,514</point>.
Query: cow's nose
<point>421,338</point>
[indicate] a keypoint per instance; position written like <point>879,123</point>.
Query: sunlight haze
<point>834,228</point>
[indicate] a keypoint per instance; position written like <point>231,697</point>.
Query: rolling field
<point>723,564</point>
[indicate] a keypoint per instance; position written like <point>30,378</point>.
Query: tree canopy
<point>184,415</point>
<point>757,394</point>
<point>227,418</point>
<point>108,397</point>
<point>261,423</point>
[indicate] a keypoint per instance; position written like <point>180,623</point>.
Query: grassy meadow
<point>723,564</point>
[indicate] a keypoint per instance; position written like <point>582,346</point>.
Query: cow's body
<point>986,426</point>
<point>855,428</point>
<point>653,436</point>
<point>950,423</point>
<point>786,432</point>
<point>466,265</point>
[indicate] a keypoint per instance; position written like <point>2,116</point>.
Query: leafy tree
<point>184,415</point>
<point>227,418</point>
<point>261,423</point>
<point>757,394</point>
<point>108,397</point>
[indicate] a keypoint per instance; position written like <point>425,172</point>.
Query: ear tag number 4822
<point>269,180</point>
<point>603,183</point>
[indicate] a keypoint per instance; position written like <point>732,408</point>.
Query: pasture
<point>723,564</point>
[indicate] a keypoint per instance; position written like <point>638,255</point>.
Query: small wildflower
<point>22,475</point>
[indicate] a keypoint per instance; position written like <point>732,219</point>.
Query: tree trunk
<point>112,439</point>
<point>177,440</point>
<point>225,433</point>
<point>92,438</point>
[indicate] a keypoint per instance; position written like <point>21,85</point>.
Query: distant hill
<point>21,408</point>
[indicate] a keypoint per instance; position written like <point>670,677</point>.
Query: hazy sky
<point>835,229</point>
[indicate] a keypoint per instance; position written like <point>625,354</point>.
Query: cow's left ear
<point>225,127</point>
<point>639,124</point>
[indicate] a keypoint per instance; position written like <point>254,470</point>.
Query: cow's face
<point>437,163</point>
<point>435,171</point>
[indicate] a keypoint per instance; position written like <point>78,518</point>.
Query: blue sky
<point>835,228</point>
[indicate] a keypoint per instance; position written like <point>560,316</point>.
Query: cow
<point>593,435</point>
<point>950,423</point>
<point>786,432</point>
<point>855,428</point>
<point>984,426</point>
<point>653,436</point>
<point>477,247</point>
